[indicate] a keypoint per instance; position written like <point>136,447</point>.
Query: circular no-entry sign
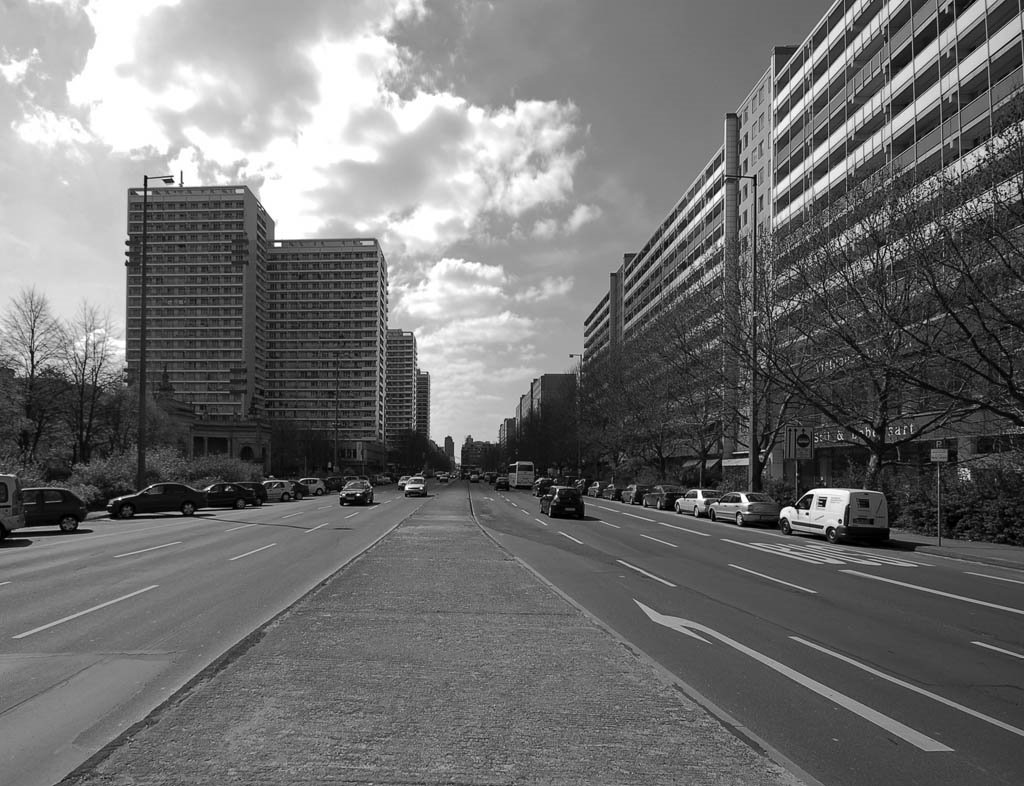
<point>803,440</point>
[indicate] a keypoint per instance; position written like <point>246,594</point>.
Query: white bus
<point>521,474</point>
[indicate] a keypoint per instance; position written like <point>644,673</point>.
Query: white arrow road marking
<point>908,686</point>
<point>890,725</point>
<point>936,592</point>
<point>87,611</point>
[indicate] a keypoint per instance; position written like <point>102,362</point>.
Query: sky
<point>506,153</point>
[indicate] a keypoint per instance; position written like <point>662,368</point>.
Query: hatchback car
<point>633,494</point>
<point>52,507</point>
<point>416,486</point>
<point>356,492</point>
<point>501,483</point>
<point>540,486</point>
<point>278,490</point>
<point>612,492</point>
<point>663,497</point>
<point>696,501</point>
<point>229,495</point>
<point>258,490</point>
<point>158,498</point>
<point>299,489</point>
<point>562,501</point>
<point>744,507</point>
<point>316,486</point>
<point>401,482</point>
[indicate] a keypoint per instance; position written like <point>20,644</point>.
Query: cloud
<point>13,70</point>
<point>548,289</point>
<point>583,214</point>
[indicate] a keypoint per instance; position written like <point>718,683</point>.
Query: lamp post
<point>579,382</point>
<point>140,472</point>
<point>754,462</point>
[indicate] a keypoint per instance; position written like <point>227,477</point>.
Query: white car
<point>316,486</point>
<point>402,481</point>
<point>416,486</point>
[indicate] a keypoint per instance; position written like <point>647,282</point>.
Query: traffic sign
<point>940,454</point>
<point>799,443</point>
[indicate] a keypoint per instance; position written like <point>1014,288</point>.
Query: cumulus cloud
<point>13,70</point>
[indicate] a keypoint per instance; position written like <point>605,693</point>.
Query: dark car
<point>229,495</point>
<point>562,501</point>
<point>663,497</point>
<point>612,492</point>
<point>541,485</point>
<point>52,507</point>
<point>595,488</point>
<point>258,490</point>
<point>356,491</point>
<point>633,494</point>
<point>158,498</point>
<point>501,483</point>
<point>299,489</point>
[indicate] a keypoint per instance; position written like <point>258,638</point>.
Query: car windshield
<point>416,479</point>
<point>356,485</point>
<point>756,497</point>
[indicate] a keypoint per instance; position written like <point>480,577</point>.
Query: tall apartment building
<point>423,404</point>
<point>327,342</point>
<point>400,414</point>
<point>449,448</point>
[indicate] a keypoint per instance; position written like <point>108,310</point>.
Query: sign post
<point>799,446</point>
<point>940,455</point>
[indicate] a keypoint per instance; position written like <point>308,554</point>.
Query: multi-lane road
<point>858,664</point>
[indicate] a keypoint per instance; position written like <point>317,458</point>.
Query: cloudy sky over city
<point>506,153</point>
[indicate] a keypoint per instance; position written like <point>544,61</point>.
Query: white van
<point>837,514</point>
<point>12,513</point>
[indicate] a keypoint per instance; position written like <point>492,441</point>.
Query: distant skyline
<point>505,154</point>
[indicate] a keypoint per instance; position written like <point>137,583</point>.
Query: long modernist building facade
<point>876,84</point>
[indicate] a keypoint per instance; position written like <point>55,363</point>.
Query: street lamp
<point>754,462</point>
<point>140,472</point>
<point>579,382</point>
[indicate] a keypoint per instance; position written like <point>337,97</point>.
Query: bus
<point>521,474</point>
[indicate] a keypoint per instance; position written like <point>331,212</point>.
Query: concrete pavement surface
<point>434,658</point>
<point>998,554</point>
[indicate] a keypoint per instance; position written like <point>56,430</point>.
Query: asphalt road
<point>858,664</point>
<point>99,627</point>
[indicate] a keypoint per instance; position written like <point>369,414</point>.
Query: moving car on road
<point>562,501</point>
<point>158,498</point>
<point>501,483</point>
<point>356,491</point>
<point>416,486</point>
<point>744,507</point>
<point>52,507</point>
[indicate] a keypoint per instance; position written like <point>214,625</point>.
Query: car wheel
<point>239,503</point>
<point>832,535</point>
<point>711,515</point>
<point>285,497</point>
<point>644,503</point>
<point>126,512</point>
<point>258,503</point>
<point>298,496</point>
<point>739,520</point>
<point>319,492</point>
<point>188,508</point>
<point>696,512</point>
<point>68,524</point>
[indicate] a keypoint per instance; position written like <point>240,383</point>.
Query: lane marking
<point>350,515</point>
<point>524,511</point>
<point>316,528</point>
<point>143,551</point>
<point>684,529</point>
<point>772,578</point>
<point>541,521</point>
<point>998,649</point>
<point>87,611</point>
<point>2,583</point>
<point>242,527</point>
<point>570,537</point>
<point>290,515</point>
<point>770,549</point>
<point>914,688</point>
<point>936,592</point>
<point>609,524</point>
<point>645,573</point>
<point>997,578</point>
<point>656,540</point>
<point>254,551</point>
<point>891,725</point>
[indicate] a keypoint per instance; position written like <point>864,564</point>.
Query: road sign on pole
<point>799,443</point>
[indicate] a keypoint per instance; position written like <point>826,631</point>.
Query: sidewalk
<point>435,658</point>
<point>997,554</point>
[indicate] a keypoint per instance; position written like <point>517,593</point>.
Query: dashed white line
<point>570,537</point>
<point>656,540</point>
<point>4,582</point>
<point>936,592</point>
<point>244,526</point>
<point>770,578</point>
<point>318,526</point>
<point>998,649</point>
<point>684,529</point>
<point>143,551</point>
<point>254,551</point>
<point>87,611</point>
<point>290,515</point>
<point>609,524</point>
<point>541,521</point>
<point>997,578</point>
<point>350,515</point>
<point>645,573</point>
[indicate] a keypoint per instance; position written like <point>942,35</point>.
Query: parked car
<point>229,495</point>
<point>12,510</point>
<point>501,483</point>
<point>299,489</point>
<point>696,501</point>
<point>334,482</point>
<point>356,491</point>
<point>52,507</point>
<point>838,514</point>
<point>663,497</point>
<point>562,501</point>
<point>633,494</point>
<point>316,486</point>
<point>278,490</point>
<point>540,486</point>
<point>595,488</point>
<point>258,490</point>
<point>416,486</point>
<point>744,507</point>
<point>401,482</point>
<point>582,485</point>
<point>158,498</point>
<point>612,492</point>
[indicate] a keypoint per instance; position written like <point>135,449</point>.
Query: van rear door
<point>12,514</point>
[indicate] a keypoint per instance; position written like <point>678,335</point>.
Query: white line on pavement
<point>525,512</point>
<point>316,528</point>
<point>242,527</point>
<point>254,551</point>
<point>297,513</point>
<point>143,551</point>
<point>4,582</point>
<point>936,592</point>
<point>770,578</point>
<point>998,649</point>
<point>644,572</point>
<point>914,688</point>
<point>350,515</point>
<point>87,611</point>
<point>997,578</point>
<point>541,521</point>
<point>570,537</point>
<point>684,529</point>
<point>656,540</point>
<point>609,524</point>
